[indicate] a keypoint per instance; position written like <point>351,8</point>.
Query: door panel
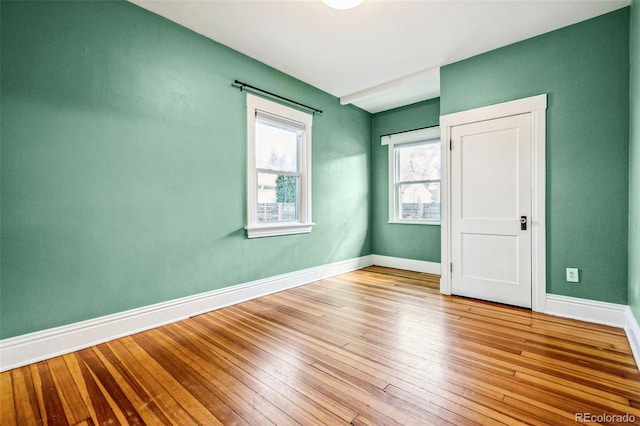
<point>478,252</point>
<point>491,190</point>
<point>489,193</point>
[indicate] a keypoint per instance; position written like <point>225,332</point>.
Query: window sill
<point>272,230</point>
<point>413,222</point>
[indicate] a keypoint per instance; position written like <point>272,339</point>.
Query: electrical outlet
<point>572,275</point>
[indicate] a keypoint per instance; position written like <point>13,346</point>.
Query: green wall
<point>584,69</point>
<point>634,166</point>
<point>123,161</point>
<point>419,242</point>
<point>123,166</point>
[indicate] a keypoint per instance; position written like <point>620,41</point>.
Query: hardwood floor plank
<point>345,395</point>
<point>146,406</point>
<point>283,365</point>
<point>75,380</point>
<point>377,346</point>
<point>26,401</point>
<point>548,396</point>
<point>211,374</point>
<point>443,414</point>
<point>72,402</point>
<point>98,399</point>
<point>543,415</point>
<point>168,393</point>
<point>320,350</point>
<point>110,388</point>
<point>51,399</point>
<point>7,399</point>
<point>477,413</point>
<point>565,389</point>
<point>246,357</point>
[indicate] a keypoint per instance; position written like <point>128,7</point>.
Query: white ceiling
<point>382,54</point>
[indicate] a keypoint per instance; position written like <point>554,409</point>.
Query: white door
<point>490,197</point>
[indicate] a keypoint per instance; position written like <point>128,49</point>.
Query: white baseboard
<point>633,335</point>
<point>594,311</point>
<point>26,349</point>
<point>407,264</point>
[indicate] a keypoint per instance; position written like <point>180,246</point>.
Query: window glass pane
<point>276,147</point>
<point>420,201</point>
<point>418,162</point>
<point>277,197</point>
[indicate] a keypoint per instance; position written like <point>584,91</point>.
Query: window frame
<point>301,120</point>
<point>425,136</point>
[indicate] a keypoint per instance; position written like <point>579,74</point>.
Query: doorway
<point>493,203</point>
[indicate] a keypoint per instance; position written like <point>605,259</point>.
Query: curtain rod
<point>412,130</point>
<point>242,85</point>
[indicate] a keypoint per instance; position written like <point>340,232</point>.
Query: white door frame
<point>536,106</point>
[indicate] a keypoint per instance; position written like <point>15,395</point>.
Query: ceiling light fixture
<point>342,4</point>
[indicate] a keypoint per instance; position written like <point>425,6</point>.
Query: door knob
<point>523,223</point>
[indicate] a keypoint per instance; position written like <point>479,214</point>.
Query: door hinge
<point>450,144</point>
<point>451,267</point>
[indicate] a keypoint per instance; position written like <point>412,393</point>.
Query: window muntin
<point>279,166</point>
<point>414,176</point>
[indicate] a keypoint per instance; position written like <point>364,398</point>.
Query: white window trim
<point>304,224</point>
<point>400,139</point>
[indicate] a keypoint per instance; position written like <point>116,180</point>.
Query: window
<point>414,176</point>
<point>279,169</point>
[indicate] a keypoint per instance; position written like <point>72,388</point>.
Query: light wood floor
<point>376,346</point>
